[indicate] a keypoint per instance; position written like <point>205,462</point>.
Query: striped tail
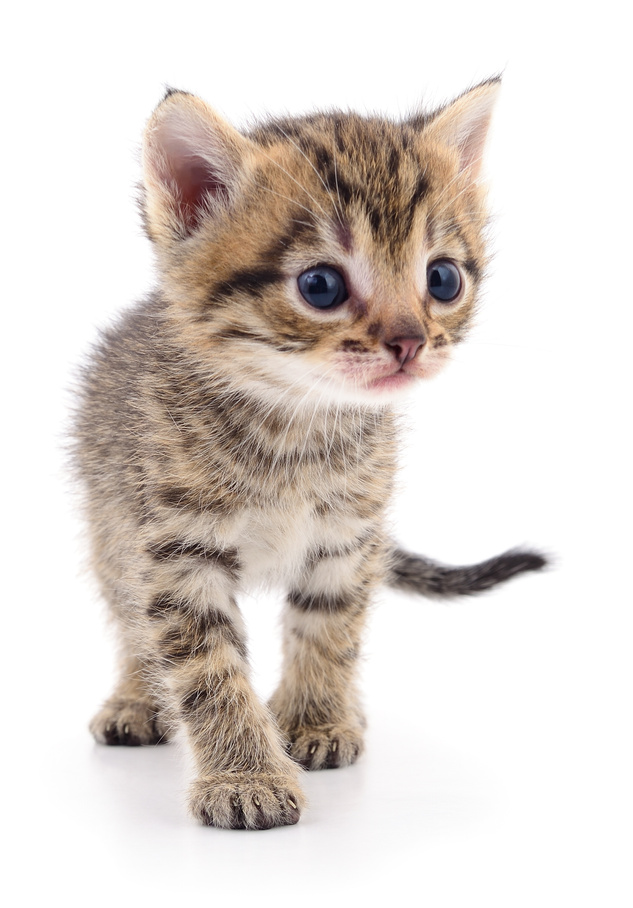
<point>418,574</point>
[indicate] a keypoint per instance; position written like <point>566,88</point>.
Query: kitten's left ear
<point>464,124</point>
<point>194,164</point>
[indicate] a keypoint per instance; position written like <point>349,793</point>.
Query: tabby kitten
<point>238,426</point>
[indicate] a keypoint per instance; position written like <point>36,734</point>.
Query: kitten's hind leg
<point>132,715</point>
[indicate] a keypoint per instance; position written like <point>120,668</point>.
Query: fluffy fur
<point>229,433</point>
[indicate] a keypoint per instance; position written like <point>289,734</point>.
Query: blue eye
<point>444,281</point>
<point>322,287</point>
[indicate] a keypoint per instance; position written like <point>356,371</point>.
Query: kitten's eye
<point>444,281</point>
<point>322,287</point>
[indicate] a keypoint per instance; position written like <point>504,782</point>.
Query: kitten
<point>238,426</point>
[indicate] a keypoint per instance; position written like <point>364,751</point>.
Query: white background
<point>498,768</point>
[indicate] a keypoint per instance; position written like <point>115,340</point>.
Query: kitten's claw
<point>128,722</point>
<point>240,800</point>
<point>326,748</point>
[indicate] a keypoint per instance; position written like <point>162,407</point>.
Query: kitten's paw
<point>129,722</point>
<point>242,800</point>
<point>326,747</point>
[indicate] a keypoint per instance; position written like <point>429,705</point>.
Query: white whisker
<point>325,186</point>
<point>300,185</point>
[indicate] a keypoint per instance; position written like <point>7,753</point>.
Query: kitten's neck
<point>294,418</point>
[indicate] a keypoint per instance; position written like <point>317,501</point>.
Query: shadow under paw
<point>130,723</point>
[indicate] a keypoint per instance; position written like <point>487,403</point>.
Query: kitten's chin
<point>380,391</point>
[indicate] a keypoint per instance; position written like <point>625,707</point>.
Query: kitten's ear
<point>193,165</point>
<point>464,123</point>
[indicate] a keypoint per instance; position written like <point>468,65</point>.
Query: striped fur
<point>418,574</point>
<point>229,434</point>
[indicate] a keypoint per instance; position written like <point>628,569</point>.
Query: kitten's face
<point>332,258</point>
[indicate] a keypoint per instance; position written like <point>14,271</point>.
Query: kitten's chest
<point>274,544</point>
<point>285,497</point>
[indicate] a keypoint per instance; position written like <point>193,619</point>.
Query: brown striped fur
<point>229,434</point>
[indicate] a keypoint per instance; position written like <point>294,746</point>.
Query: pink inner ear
<point>195,181</point>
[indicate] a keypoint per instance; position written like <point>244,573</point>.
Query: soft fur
<point>229,434</point>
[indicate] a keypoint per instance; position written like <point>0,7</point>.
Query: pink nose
<point>405,348</point>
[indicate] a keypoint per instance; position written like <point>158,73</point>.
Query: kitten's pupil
<point>322,287</point>
<point>444,281</point>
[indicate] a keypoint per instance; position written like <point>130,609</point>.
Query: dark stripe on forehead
<point>303,227</point>
<point>389,209</point>
<point>338,135</point>
<point>420,191</point>
<point>394,159</point>
<point>323,158</point>
<point>360,161</point>
<point>341,189</point>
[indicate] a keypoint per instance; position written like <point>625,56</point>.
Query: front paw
<point>243,800</point>
<point>326,747</point>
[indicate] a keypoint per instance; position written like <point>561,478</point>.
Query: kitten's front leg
<point>245,778</point>
<point>316,703</point>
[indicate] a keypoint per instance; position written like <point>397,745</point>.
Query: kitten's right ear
<point>193,165</point>
<point>463,124</point>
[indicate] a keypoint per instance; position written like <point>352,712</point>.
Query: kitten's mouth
<point>392,382</point>
<point>381,379</point>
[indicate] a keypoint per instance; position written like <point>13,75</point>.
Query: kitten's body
<point>234,432</point>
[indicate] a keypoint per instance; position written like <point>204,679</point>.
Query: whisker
<point>325,186</point>
<point>300,185</point>
<point>288,198</point>
<point>449,185</point>
<point>446,188</point>
<point>453,199</point>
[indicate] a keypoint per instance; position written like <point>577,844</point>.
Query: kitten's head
<point>332,255</point>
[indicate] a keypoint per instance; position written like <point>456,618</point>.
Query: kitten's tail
<point>418,574</point>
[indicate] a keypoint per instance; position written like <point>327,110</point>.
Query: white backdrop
<point>499,756</point>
